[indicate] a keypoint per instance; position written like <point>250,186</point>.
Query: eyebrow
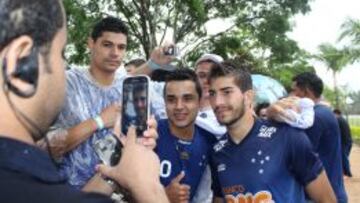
<point>183,95</point>
<point>108,41</point>
<point>226,88</point>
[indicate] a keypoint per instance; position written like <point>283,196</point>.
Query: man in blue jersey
<point>259,161</point>
<point>183,147</point>
<point>324,134</point>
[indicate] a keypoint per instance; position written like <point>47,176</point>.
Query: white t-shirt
<point>206,119</point>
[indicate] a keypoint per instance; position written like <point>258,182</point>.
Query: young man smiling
<point>259,160</point>
<point>183,147</point>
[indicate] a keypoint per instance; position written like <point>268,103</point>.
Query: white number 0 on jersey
<point>165,168</point>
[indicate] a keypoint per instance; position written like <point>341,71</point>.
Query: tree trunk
<point>336,90</point>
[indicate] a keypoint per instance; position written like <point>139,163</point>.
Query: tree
<point>262,23</point>
<point>355,106</point>
<point>335,60</point>
<point>351,30</point>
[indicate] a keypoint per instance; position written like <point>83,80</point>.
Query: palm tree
<point>335,60</point>
<point>351,30</point>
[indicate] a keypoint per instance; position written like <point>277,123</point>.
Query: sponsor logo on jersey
<point>259,197</point>
<point>266,132</point>
<point>221,167</point>
<point>221,144</point>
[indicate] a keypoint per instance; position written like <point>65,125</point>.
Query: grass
<point>355,132</point>
<point>354,121</point>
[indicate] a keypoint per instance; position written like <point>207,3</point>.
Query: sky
<point>322,24</point>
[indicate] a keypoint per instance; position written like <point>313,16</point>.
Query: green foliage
<point>284,73</point>
<point>351,30</point>
<point>355,132</point>
<point>335,59</point>
<point>355,106</point>
<point>258,31</point>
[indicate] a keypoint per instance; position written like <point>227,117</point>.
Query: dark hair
<point>39,19</point>
<point>337,111</point>
<point>309,81</point>
<point>109,24</point>
<point>261,106</point>
<point>241,75</point>
<point>136,62</point>
<point>159,75</point>
<point>184,74</point>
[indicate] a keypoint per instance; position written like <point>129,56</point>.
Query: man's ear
<point>19,71</point>
<point>17,49</point>
<point>249,97</point>
<point>90,43</point>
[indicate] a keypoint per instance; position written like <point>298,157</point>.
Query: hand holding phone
<point>136,104</point>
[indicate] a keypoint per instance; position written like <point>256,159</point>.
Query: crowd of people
<point>203,142</point>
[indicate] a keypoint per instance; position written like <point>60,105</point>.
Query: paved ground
<point>353,184</point>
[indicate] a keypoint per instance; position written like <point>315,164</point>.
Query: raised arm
<point>62,141</point>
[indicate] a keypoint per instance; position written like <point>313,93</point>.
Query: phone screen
<point>135,109</point>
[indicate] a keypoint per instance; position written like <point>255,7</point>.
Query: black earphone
<point>26,70</point>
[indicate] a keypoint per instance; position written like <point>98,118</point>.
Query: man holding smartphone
<point>92,103</point>
<point>183,147</point>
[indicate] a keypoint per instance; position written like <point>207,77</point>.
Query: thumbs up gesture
<point>177,192</point>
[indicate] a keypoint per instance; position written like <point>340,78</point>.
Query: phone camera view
<point>172,51</point>
<point>109,150</point>
<point>135,105</point>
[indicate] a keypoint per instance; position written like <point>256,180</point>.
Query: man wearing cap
<point>206,117</point>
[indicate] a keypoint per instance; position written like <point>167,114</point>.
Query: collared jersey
<point>325,137</point>
<point>27,174</point>
<point>178,155</point>
<point>272,163</point>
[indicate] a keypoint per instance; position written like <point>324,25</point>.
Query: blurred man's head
<point>140,100</point>
<point>32,39</point>
<point>307,85</point>
<point>182,95</point>
<point>261,110</point>
<point>337,112</point>
<point>108,44</point>
<point>231,92</point>
<point>203,67</point>
<point>132,65</point>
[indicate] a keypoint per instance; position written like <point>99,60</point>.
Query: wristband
<point>152,65</point>
<point>99,122</point>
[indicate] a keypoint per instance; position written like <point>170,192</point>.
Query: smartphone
<point>172,50</point>
<point>135,104</point>
<point>108,150</point>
